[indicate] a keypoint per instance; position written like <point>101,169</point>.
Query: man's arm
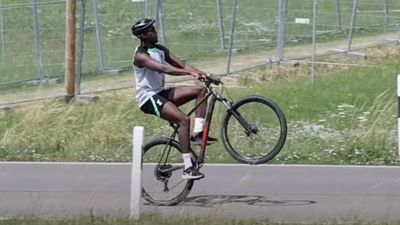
<point>173,60</point>
<point>144,60</point>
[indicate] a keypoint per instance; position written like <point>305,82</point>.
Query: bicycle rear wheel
<point>265,134</point>
<point>162,182</point>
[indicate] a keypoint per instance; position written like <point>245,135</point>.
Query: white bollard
<point>136,173</point>
<point>398,115</point>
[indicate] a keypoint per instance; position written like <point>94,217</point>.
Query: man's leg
<point>182,95</point>
<point>172,113</point>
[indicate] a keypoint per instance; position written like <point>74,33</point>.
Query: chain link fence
<point>31,39</point>
<point>220,36</point>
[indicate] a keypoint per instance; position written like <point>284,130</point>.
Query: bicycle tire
<point>255,110</point>
<point>152,186</point>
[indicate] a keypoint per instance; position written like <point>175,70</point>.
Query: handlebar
<point>212,80</point>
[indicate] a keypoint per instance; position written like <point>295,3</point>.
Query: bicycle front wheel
<point>162,182</point>
<point>254,131</point>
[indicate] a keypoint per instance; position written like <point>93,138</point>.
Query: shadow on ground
<point>256,200</point>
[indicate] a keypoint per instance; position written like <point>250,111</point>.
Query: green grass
<point>155,220</point>
<point>346,117</point>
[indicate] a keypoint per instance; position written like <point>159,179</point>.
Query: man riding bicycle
<point>151,62</point>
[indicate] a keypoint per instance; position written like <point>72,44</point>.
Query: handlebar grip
<point>213,80</point>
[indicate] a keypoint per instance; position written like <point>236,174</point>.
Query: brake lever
<point>211,79</point>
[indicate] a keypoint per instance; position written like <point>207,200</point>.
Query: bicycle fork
<point>249,128</point>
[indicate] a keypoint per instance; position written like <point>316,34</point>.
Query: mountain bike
<point>253,131</point>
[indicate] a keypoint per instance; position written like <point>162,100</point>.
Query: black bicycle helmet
<point>141,25</point>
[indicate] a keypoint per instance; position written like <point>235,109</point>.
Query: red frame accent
<point>204,138</point>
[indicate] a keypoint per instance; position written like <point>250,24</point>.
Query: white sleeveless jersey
<point>149,82</point>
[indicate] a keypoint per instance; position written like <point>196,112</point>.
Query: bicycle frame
<point>215,96</point>
<point>244,116</point>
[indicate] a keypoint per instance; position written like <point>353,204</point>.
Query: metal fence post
<point>160,21</point>
<point>147,5</point>
<point>338,16</point>
<point>314,34</point>
<point>221,26</point>
<point>235,6</point>
<point>352,24</point>
<point>281,29</point>
<point>2,33</point>
<point>38,51</point>
<point>81,39</point>
<point>386,9</point>
<point>398,31</point>
<point>99,39</point>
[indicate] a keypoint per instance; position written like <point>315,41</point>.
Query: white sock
<point>187,160</point>
<point>198,125</point>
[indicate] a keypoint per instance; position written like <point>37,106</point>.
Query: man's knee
<point>202,91</point>
<point>184,121</point>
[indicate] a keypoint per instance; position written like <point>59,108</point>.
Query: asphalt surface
<point>283,193</point>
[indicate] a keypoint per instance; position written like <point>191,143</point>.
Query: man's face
<point>150,34</point>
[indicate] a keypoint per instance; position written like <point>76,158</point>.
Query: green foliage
<point>348,117</point>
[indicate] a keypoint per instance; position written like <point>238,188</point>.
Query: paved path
<point>280,193</point>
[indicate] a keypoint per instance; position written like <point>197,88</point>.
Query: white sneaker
<point>192,173</point>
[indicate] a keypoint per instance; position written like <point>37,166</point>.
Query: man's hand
<point>201,76</point>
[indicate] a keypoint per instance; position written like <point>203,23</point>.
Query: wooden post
<point>70,50</point>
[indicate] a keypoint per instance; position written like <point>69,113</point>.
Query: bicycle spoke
<point>163,183</point>
<point>176,185</point>
<point>257,139</point>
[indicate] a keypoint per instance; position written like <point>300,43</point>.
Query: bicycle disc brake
<point>253,129</point>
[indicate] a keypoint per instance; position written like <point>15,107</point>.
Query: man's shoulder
<point>162,47</point>
<point>141,49</point>
<point>140,56</point>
